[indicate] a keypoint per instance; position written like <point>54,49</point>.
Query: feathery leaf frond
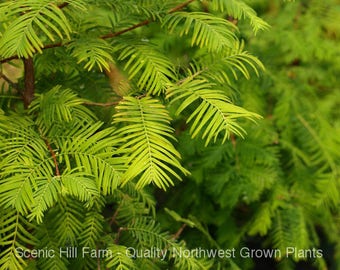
<point>146,134</point>
<point>15,233</point>
<point>28,19</point>
<point>153,69</point>
<point>207,31</point>
<point>121,258</point>
<point>215,113</point>
<point>238,9</point>
<point>94,52</point>
<point>57,107</point>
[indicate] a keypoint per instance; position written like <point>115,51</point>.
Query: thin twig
<point>109,35</point>
<point>118,234</point>
<point>180,6</point>
<point>101,104</point>
<point>62,5</point>
<point>179,232</point>
<point>113,219</point>
<point>5,60</point>
<point>57,173</point>
<point>175,237</point>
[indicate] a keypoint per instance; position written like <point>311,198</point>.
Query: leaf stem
<point>54,157</point>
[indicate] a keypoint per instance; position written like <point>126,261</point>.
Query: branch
<point>57,173</point>
<point>62,5</point>
<point>180,6</point>
<point>101,104</point>
<point>179,232</point>
<point>109,35</point>
<point>28,93</point>
<point>116,241</point>
<point>9,59</point>
<point>113,219</point>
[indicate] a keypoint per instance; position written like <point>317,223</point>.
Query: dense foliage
<point>144,135</point>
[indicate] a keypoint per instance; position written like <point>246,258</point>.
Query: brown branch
<point>28,93</point>
<point>179,232</point>
<point>62,5</point>
<point>118,234</point>
<point>54,45</point>
<point>180,6</point>
<point>57,173</point>
<point>113,218</point>
<point>175,236</point>
<point>5,60</point>
<point>109,35</point>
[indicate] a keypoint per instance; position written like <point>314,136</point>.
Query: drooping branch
<point>28,93</point>
<point>106,36</point>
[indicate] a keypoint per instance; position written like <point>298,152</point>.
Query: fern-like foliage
<point>72,176</point>
<point>146,134</point>
<point>214,115</point>
<point>15,233</point>
<point>239,10</point>
<point>22,36</point>
<point>153,69</point>
<point>25,160</point>
<point>95,52</point>
<point>207,31</point>
<point>121,258</point>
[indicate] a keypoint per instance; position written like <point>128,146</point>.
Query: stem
<point>101,104</point>
<point>118,234</point>
<point>63,5</point>
<point>180,6</point>
<point>111,35</point>
<point>179,232</point>
<point>113,219</point>
<point>29,82</point>
<point>57,173</point>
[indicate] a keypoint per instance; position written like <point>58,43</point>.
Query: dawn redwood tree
<point>121,127</point>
